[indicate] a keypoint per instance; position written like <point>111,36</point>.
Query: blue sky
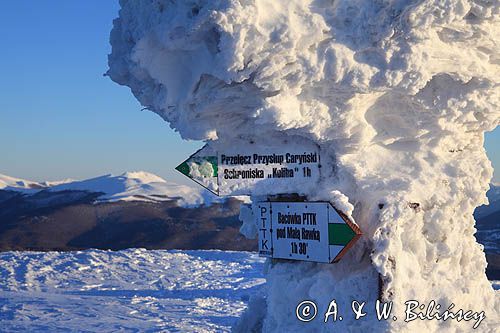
<point>61,118</point>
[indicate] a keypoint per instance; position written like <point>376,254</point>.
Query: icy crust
<point>397,94</point>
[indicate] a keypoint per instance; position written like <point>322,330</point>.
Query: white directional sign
<point>309,231</point>
<point>245,168</point>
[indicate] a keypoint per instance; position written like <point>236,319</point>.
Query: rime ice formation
<point>397,94</point>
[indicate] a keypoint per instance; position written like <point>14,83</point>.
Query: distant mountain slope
<point>140,209</point>
<point>129,186</point>
<point>488,223</point>
<point>494,206</point>
<point>17,184</point>
<point>134,209</point>
<point>139,186</point>
<point>69,220</point>
<point>488,232</point>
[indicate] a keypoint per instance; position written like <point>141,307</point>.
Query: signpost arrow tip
<point>202,168</point>
<point>343,232</point>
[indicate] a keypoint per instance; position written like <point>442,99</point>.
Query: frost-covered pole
<point>396,94</point>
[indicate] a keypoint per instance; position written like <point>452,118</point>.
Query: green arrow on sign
<point>202,168</point>
<point>206,166</point>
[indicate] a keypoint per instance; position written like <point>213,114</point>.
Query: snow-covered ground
<point>129,186</point>
<point>129,291</point>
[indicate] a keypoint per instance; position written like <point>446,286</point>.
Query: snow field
<point>131,291</point>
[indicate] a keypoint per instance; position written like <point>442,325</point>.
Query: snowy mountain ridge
<point>129,186</point>
<point>18,184</point>
<point>146,186</point>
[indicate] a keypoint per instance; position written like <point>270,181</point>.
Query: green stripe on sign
<point>339,234</point>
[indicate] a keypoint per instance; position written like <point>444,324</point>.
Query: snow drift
<point>133,290</point>
<point>397,95</point>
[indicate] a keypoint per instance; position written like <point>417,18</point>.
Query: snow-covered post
<point>396,94</point>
